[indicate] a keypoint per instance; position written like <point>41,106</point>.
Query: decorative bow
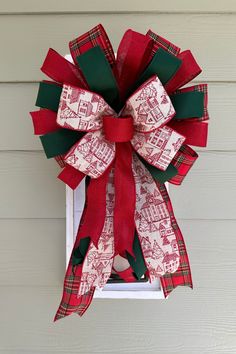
<point>139,122</point>
<point>122,123</point>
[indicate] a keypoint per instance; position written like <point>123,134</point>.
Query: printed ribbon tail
<point>153,225</point>
<point>98,262</point>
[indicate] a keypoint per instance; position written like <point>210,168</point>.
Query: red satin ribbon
<point>44,121</point>
<point>61,70</point>
<point>124,209</point>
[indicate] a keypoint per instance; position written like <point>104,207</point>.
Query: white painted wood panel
<point>29,187</point>
<point>209,36</point>
<point>58,6</point>
<point>33,252</point>
<point>199,321</point>
<point>18,124</point>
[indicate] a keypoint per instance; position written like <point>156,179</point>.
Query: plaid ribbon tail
<point>182,276</point>
<point>84,302</point>
<point>71,302</point>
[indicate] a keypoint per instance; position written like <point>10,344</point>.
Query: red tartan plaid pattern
<point>199,88</point>
<point>160,42</point>
<point>70,303</point>
<point>60,160</point>
<point>183,274</point>
<point>97,36</point>
<point>183,161</point>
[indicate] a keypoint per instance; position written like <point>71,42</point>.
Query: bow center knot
<point>118,130</point>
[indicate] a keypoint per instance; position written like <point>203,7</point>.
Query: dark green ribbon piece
<point>98,74</point>
<point>80,252</point>
<point>59,142</point>
<point>48,96</point>
<point>188,104</point>
<point>163,64</point>
<point>162,176</point>
<point>159,175</point>
<point>137,263</point>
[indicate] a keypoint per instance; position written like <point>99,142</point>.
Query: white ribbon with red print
<point>98,261</point>
<point>150,108</point>
<point>153,225</point>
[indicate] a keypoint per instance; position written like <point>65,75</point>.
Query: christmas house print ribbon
<point>124,124</point>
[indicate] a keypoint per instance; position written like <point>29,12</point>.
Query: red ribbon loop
<point>118,130</point>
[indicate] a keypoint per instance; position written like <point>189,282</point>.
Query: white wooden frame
<point>140,290</point>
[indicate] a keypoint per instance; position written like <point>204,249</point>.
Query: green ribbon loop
<point>137,263</point>
<point>80,252</point>
<point>188,104</point>
<point>59,142</point>
<point>163,64</point>
<point>98,74</point>
<point>159,175</point>
<point>48,96</point>
<point>163,176</point>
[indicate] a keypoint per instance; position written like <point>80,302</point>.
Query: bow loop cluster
<point>149,107</point>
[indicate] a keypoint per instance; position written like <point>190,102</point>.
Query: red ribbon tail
<point>124,226</point>
<point>95,212</point>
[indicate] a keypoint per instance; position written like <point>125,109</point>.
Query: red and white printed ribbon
<point>150,108</point>
<point>153,225</point>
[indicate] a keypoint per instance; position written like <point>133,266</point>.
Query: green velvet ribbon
<point>188,104</point>
<point>59,142</point>
<point>163,64</point>
<point>137,263</point>
<point>80,252</point>
<point>48,96</point>
<point>98,74</point>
